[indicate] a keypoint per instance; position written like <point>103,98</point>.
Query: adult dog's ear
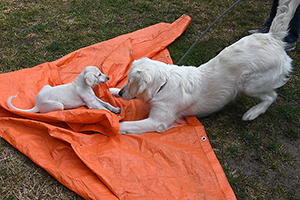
<point>90,79</point>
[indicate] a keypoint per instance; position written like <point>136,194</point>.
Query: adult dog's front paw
<point>127,128</point>
<point>126,133</point>
<point>115,91</point>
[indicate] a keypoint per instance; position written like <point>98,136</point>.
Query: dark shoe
<point>290,46</point>
<point>262,29</point>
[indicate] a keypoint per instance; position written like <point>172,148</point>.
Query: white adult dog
<point>72,95</point>
<point>255,65</point>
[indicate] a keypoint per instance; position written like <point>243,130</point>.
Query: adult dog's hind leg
<point>259,85</point>
<point>266,100</point>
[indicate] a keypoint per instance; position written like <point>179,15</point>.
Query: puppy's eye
<point>99,74</point>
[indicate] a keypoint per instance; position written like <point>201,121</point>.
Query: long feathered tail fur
<point>285,12</point>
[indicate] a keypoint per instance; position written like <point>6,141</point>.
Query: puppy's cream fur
<point>72,95</point>
<point>255,65</point>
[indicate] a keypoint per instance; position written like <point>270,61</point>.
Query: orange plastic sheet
<point>81,147</point>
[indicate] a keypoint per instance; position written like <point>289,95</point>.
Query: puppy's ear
<point>90,79</point>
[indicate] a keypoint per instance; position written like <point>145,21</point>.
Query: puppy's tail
<point>32,110</point>
<point>285,12</point>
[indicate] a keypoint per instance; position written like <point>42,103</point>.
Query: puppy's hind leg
<point>266,100</point>
<point>50,106</point>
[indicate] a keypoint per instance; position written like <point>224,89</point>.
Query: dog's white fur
<point>255,65</point>
<point>72,95</point>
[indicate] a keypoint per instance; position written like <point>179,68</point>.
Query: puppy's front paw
<point>115,91</point>
<point>116,110</point>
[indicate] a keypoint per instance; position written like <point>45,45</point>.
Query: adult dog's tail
<point>285,12</point>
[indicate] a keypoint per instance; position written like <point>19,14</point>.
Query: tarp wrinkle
<point>81,147</point>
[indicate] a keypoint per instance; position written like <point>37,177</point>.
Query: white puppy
<point>255,65</point>
<point>72,95</point>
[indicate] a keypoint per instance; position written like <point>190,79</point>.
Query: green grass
<point>259,158</point>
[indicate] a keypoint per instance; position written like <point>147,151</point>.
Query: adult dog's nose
<point>121,92</point>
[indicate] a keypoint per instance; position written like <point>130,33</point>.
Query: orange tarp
<point>81,147</point>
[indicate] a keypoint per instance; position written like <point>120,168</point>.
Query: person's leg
<point>272,13</point>
<point>266,26</point>
<point>293,35</point>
